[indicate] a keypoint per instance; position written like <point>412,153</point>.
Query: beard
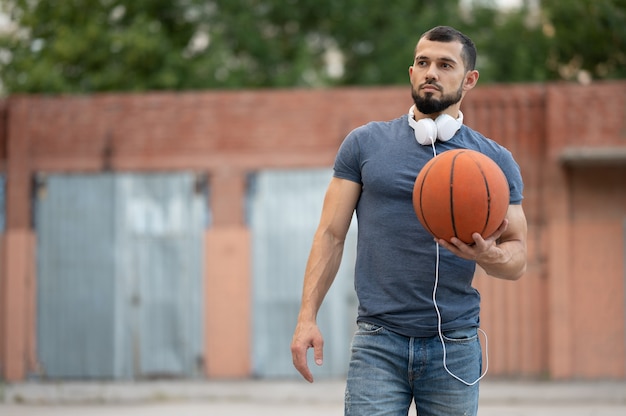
<point>430,105</point>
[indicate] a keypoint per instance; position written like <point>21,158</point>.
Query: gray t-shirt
<point>396,256</point>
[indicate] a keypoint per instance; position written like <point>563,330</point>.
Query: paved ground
<point>282,398</point>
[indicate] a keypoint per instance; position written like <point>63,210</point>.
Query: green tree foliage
<point>511,47</point>
<point>82,46</point>
<point>97,45</point>
<point>573,40</point>
<point>585,36</point>
<point>289,42</point>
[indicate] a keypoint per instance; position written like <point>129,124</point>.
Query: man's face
<point>437,75</point>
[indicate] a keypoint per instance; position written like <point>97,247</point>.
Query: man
<point>405,314</point>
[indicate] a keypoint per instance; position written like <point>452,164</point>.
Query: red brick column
<point>18,250</point>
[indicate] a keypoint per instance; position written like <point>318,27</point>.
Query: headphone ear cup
<point>447,126</point>
<point>425,130</point>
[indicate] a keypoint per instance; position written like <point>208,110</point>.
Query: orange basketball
<point>461,192</point>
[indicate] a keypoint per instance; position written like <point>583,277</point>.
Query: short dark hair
<point>450,34</point>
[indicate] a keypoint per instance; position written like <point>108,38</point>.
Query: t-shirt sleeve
<point>514,176</point>
<point>348,160</point>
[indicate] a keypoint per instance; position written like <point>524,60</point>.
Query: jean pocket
<point>365,328</point>
<point>461,335</point>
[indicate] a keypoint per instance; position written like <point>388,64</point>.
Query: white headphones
<point>427,130</point>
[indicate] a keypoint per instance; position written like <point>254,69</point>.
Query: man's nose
<point>432,74</point>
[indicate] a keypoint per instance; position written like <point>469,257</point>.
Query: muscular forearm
<point>320,273</point>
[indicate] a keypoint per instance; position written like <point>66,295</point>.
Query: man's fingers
<point>304,338</point>
<point>318,353</point>
<point>299,361</point>
<point>299,356</point>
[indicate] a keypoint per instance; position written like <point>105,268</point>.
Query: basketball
<point>461,192</point>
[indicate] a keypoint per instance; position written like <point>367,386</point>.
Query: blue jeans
<point>387,371</point>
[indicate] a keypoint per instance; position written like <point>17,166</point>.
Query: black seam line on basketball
<point>422,196</point>
<point>482,172</point>
<point>452,193</point>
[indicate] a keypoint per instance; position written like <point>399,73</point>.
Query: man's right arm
<point>322,266</point>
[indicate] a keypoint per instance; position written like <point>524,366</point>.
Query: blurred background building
<point>163,172</point>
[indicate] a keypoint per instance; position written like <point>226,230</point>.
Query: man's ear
<point>471,79</point>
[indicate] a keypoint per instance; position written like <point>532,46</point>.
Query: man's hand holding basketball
<point>502,254</point>
<point>481,249</point>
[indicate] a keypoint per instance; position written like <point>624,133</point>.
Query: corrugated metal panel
<point>159,251</point>
<point>285,207</point>
<point>76,279</point>
<point>119,271</point>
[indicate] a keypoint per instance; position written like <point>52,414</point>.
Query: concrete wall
<point>565,319</point>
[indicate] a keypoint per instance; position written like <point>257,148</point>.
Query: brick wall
<point>537,326</point>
